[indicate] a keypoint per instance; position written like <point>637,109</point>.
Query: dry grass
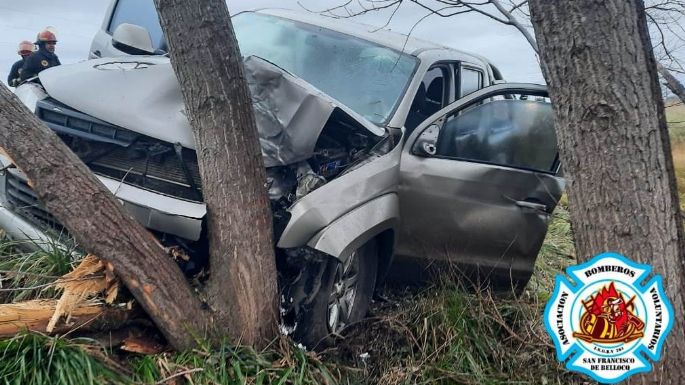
<point>675,115</point>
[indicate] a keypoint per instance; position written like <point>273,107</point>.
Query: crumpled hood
<point>142,94</point>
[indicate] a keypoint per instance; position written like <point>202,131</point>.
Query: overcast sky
<point>76,22</point>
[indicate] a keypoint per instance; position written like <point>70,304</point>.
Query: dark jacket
<point>13,78</point>
<point>37,62</point>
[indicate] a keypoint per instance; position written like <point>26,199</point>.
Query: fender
<point>352,230</point>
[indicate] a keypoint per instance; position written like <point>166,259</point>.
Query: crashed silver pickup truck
<point>377,148</point>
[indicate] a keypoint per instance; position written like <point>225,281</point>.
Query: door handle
<point>532,206</point>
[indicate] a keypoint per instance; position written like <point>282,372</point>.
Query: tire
<point>342,300</point>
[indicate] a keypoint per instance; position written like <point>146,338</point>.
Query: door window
<point>139,12</point>
<point>431,96</point>
<point>471,80</point>
<point>509,131</point>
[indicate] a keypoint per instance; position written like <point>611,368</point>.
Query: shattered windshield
<point>366,77</point>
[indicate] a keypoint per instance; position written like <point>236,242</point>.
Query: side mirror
<point>426,143</point>
<point>132,39</point>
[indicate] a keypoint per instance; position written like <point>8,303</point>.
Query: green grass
<point>33,359</point>
<point>447,335</point>
<point>675,115</point>
<point>231,365</point>
<point>24,275</point>
<point>440,335</point>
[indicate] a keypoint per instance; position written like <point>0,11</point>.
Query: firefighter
<point>25,49</point>
<point>42,59</point>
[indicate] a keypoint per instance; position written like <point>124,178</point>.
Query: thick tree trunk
<point>671,82</point>
<point>99,223</point>
<point>602,77</point>
<point>242,284</point>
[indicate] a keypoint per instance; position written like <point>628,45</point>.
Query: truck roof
<point>394,40</point>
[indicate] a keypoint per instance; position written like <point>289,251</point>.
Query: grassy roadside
<point>438,334</point>
<point>432,335</point>
<point>446,335</point>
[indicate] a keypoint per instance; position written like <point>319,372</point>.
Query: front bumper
<point>29,236</point>
<point>154,211</point>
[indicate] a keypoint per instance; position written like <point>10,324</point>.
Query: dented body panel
<point>354,229</point>
<point>488,219</point>
<point>290,113</point>
<point>320,208</point>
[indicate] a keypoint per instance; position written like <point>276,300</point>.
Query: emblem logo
<point>607,324</point>
<point>44,63</point>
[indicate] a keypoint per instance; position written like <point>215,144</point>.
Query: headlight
<point>30,94</point>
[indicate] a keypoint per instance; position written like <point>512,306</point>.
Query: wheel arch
<point>377,220</point>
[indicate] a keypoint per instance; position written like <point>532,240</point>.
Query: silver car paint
<point>465,212</point>
<point>427,52</point>
<point>429,58</point>
<point>287,136</point>
<point>155,211</point>
<point>357,227</point>
<point>102,41</point>
<point>17,227</point>
<point>323,206</point>
<point>290,113</point>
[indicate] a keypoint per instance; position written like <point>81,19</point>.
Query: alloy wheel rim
<point>344,292</point>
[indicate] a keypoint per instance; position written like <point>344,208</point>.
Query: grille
<point>65,120</point>
<point>158,172</point>
<point>124,155</point>
<point>25,202</point>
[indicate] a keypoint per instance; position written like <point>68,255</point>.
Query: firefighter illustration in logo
<point>609,318</point>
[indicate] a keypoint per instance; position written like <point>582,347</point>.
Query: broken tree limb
<point>98,222</point>
<point>671,82</point>
<point>35,316</point>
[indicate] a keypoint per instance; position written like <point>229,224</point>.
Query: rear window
<point>139,12</point>
<point>471,81</point>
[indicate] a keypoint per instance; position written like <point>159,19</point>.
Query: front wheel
<point>343,298</point>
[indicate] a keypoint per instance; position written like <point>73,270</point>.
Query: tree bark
<point>207,62</point>
<point>671,82</point>
<point>97,221</point>
<point>614,144</point>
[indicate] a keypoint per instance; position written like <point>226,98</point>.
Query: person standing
<point>24,50</point>
<point>42,59</point>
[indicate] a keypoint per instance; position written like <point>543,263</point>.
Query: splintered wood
<point>85,291</point>
<point>35,315</point>
<point>89,279</point>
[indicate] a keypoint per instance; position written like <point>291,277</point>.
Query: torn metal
<point>290,112</point>
<point>145,156</point>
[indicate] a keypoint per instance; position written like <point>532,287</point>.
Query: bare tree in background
<point>666,18</point>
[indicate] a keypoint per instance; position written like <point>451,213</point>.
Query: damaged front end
<point>125,120</point>
<point>307,138</point>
